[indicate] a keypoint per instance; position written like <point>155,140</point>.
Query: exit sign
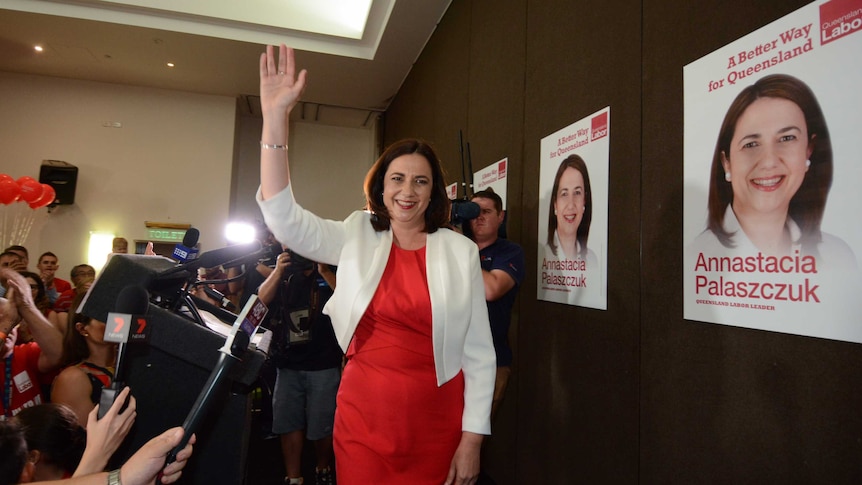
<point>167,235</point>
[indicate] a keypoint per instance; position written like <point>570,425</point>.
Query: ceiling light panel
<point>337,18</point>
<point>350,28</point>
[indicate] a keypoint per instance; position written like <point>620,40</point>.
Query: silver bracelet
<point>273,147</point>
<point>114,477</point>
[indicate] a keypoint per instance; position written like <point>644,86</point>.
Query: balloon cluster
<point>25,189</point>
<point>17,220</point>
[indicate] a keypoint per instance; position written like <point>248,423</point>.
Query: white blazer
<point>461,332</point>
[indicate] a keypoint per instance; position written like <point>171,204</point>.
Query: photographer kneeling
<point>308,359</point>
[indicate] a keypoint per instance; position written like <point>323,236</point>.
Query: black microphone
<point>264,253</point>
<point>216,257</point>
<point>236,344</point>
<point>186,251</point>
<point>225,316</point>
<point>219,297</point>
<point>464,210</point>
<point>129,321</point>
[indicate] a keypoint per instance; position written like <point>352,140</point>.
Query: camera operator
<point>308,361</point>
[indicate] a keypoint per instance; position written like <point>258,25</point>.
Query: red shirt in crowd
<point>24,383</point>
<point>61,285</point>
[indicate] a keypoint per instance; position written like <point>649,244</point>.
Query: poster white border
<point>578,280</point>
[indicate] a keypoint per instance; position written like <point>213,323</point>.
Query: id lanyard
<point>7,393</point>
<point>313,299</point>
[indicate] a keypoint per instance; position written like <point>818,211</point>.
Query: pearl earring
<point>727,176</point>
<point>807,163</point>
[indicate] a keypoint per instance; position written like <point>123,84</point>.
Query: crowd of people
<point>393,369</point>
<point>43,439</point>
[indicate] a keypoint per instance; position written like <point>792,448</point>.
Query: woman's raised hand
<point>280,86</point>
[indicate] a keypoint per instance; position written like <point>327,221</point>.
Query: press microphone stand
<point>232,352</point>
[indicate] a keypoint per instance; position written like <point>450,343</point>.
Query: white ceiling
<point>351,75</point>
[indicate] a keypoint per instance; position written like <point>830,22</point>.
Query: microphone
<point>219,297</point>
<point>216,257</point>
<point>128,322</point>
<point>186,251</point>
<point>225,316</point>
<point>464,210</point>
<point>266,252</point>
<point>235,345</point>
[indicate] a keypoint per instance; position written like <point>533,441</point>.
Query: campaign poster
<point>772,177</point>
<point>452,190</point>
<point>573,213</point>
<point>493,177</point>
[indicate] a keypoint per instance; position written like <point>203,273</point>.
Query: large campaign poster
<point>772,173</point>
<point>573,213</point>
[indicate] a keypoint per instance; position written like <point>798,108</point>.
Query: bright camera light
<point>240,232</point>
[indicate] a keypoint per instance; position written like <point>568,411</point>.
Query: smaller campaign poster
<point>492,177</point>
<point>573,213</point>
<point>772,174</point>
<point>452,190</point>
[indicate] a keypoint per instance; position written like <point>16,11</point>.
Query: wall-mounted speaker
<point>63,177</point>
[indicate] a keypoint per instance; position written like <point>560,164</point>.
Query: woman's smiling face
<point>569,202</point>
<point>768,156</point>
<point>407,190</point>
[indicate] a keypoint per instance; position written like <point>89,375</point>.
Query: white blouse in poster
<point>771,219</point>
<point>573,213</point>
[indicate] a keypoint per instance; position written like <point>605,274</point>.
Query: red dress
<point>393,425</point>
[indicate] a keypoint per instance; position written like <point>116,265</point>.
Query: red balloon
<point>31,190</point>
<point>47,198</point>
<point>4,176</point>
<point>9,191</point>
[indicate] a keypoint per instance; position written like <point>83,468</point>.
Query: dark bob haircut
<point>809,202</point>
<point>53,429</point>
<point>577,163</point>
<point>437,213</point>
<point>14,448</point>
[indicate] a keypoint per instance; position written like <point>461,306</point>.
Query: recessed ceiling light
<point>38,48</point>
<point>171,64</point>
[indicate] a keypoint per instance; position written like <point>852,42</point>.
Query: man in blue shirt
<point>503,270</point>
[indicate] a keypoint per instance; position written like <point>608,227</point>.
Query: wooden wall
<point>634,394</point>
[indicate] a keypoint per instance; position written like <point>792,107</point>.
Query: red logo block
<point>599,127</point>
<point>839,18</point>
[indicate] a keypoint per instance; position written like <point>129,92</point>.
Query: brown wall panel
<point>634,394</point>
<point>432,104</point>
<point>495,128</point>
<point>579,385</point>
<point>721,404</point>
